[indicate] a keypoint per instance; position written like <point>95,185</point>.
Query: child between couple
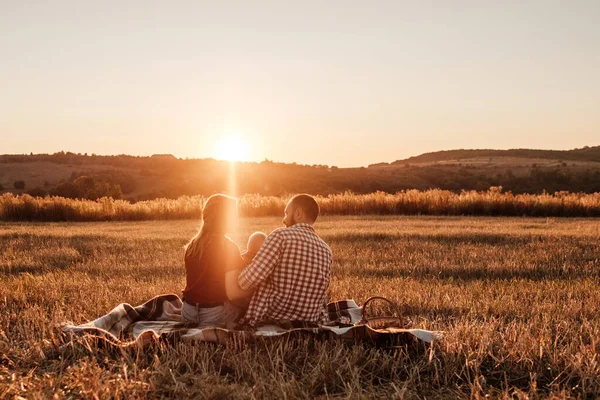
<point>255,241</point>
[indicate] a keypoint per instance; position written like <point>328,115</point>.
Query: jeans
<point>214,316</point>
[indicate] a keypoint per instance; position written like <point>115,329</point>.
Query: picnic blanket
<point>160,318</point>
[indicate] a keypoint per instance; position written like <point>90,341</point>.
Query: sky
<point>345,83</point>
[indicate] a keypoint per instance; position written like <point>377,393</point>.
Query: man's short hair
<point>308,204</point>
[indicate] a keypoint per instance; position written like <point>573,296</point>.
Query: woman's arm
<point>234,266</point>
<point>233,289</point>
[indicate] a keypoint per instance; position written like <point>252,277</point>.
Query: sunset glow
<point>312,86</point>
<point>231,148</point>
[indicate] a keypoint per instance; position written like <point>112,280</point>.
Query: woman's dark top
<point>205,275</point>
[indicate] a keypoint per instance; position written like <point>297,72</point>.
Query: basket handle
<point>365,319</point>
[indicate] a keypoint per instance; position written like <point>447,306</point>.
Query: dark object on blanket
<point>383,321</point>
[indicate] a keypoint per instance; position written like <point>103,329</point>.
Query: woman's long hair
<point>217,214</point>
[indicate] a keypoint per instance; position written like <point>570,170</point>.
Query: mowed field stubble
<point>517,298</point>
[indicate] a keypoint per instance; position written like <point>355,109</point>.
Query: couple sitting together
<point>281,277</point>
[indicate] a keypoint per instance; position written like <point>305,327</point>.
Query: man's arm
<point>239,285</point>
<point>264,262</point>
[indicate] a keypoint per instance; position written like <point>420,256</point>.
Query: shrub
<point>37,192</point>
<point>86,187</point>
<point>20,185</point>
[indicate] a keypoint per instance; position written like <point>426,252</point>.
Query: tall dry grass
<point>52,208</point>
<point>431,202</point>
<point>517,299</point>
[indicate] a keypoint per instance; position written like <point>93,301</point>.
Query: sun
<point>231,148</point>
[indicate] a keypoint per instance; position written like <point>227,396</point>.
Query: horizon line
<point>283,162</point>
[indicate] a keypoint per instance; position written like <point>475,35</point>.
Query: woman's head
<point>219,216</point>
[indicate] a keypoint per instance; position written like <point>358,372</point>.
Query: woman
<point>208,257</point>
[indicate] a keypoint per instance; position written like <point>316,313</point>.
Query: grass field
<point>517,298</point>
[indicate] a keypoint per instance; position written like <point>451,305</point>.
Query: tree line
<point>164,176</point>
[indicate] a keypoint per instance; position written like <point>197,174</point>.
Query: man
<point>290,273</point>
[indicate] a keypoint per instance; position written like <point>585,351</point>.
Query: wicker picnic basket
<point>383,321</point>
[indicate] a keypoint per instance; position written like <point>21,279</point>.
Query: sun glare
<point>231,148</point>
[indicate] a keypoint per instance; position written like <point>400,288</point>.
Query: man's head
<point>301,208</point>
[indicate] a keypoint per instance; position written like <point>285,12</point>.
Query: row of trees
<point>82,187</point>
<point>585,153</point>
<point>164,176</point>
<point>271,180</point>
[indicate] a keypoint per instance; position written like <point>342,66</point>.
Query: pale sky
<point>344,83</point>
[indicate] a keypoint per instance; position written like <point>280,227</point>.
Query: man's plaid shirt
<point>291,275</point>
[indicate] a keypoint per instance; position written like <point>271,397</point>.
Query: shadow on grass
<point>472,273</point>
<point>139,274</point>
<point>448,239</point>
<point>86,245</point>
<point>81,238</point>
<point>49,253</point>
<point>32,269</point>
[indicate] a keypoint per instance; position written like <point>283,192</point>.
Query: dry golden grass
<point>411,202</point>
<point>517,297</point>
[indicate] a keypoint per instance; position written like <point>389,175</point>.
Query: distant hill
<point>140,178</point>
<point>584,154</point>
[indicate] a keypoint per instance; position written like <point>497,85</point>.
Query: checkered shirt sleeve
<point>264,262</point>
